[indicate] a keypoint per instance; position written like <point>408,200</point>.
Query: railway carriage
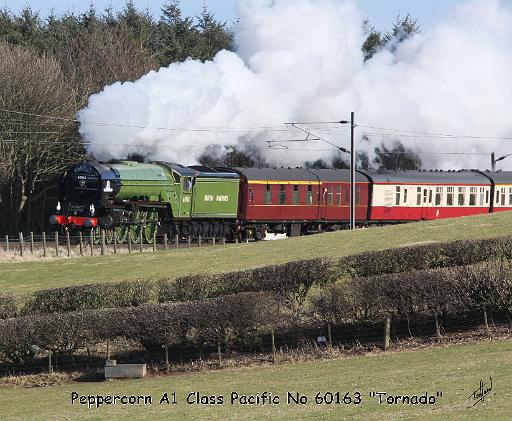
<point>502,198</point>
<point>403,196</point>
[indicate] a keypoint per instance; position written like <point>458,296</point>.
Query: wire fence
<point>65,245</point>
<point>299,343</point>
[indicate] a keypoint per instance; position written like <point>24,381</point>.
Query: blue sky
<point>381,13</point>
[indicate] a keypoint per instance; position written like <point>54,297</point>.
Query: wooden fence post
<point>273,345</point>
<point>189,241</point>
<point>165,241</point>
<point>387,332</point>
<point>114,240</point>
<point>50,367</point>
<point>91,241</point>
<point>213,241</point>
<point>199,241</point>
<point>81,243</point>
<point>129,243</point>
<point>31,242</point>
<point>68,243</point>
<point>154,241</point>
<point>167,365</point>
<point>102,233</point>
<point>21,244</point>
<point>140,240</point>
<point>486,322</point>
<point>224,240</point>
<point>438,328</point>
<point>57,243</point>
<point>329,335</point>
<point>176,241</point>
<point>44,244</point>
<point>219,354</point>
<point>6,243</point>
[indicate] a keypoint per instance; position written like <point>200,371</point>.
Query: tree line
<point>51,65</point>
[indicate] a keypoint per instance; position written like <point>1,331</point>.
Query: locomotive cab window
<point>282,194</point>
<point>187,183</point>
<point>296,195</point>
<point>268,195</point>
<point>309,195</point>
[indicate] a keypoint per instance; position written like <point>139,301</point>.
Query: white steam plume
<point>301,60</point>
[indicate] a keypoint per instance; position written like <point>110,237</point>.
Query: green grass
<point>27,276</point>
<point>454,370</point>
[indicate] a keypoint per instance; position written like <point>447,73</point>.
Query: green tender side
<point>148,180</point>
<point>215,198</point>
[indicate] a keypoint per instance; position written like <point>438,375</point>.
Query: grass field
<point>28,276</point>
<point>454,370</point>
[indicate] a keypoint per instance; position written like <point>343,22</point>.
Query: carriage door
<point>322,201</point>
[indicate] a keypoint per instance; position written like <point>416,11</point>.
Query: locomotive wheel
<point>109,236</point>
<point>134,233</point>
<point>96,235</point>
<point>121,234</point>
<point>149,231</point>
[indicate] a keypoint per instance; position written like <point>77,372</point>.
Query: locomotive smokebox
<point>106,221</point>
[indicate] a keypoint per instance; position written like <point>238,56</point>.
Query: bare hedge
<point>291,281</point>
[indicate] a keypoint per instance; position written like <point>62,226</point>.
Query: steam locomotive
<point>138,199</point>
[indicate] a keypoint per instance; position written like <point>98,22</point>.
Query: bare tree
<point>38,134</point>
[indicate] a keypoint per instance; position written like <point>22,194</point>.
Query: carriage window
<point>449,196</point>
<point>439,195</point>
<point>497,196</point>
<point>487,196</point>
<point>461,196</point>
<point>430,196</point>
<point>251,195</point>
<point>397,198</point>
<point>358,195</point>
<point>338,196</point>
<point>425,195</point>
<point>503,197</point>
<point>296,195</point>
<point>282,194</point>
<point>418,196</point>
<point>482,195</point>
<point>405,195</point>
<point>330,195</point>
<point>346,196</point>
<point>268,195</point>
<point>510,196</point>
<point>472,196</point>
<point>309,195</point>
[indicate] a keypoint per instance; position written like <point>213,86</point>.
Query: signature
<point>483,390</point>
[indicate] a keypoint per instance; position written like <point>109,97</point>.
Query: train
<point>135,201</point>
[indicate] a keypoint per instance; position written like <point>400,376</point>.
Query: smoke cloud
<point>301,60</point>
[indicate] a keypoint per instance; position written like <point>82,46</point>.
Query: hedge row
<point>240,318</point>
<point>235,317</point>
<point>291,280</point>
<point>432,292</point>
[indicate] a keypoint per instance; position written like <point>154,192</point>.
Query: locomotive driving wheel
<point>109,236</point>
<point>121,234</point>
<point>151,226</point>
<point>96,235</point>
